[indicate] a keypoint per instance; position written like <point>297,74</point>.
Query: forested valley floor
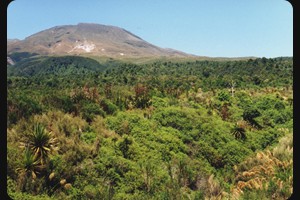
<point>79,129</point>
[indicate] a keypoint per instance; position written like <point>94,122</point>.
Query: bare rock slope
<point>92,39</point>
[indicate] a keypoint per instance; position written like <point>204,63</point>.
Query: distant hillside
<point>11,41</point>
<point>89,39</point>
<point>66,65</point>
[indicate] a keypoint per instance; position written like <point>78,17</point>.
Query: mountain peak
<point>89,38</point>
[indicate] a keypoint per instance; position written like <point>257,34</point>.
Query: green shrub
<point>108,107</point>
<point>90,110</point>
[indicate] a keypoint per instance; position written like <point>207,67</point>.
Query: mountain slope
<point>89,39</point>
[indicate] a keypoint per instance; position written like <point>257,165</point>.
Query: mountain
<point>11,41</point>
<point>89,39</point>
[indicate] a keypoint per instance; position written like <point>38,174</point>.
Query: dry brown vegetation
<point>267,169</point>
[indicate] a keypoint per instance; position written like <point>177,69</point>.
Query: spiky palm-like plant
<point>30,164</point>
<point>29,170</point>
<point>42,143</point>
<point>239,132</point>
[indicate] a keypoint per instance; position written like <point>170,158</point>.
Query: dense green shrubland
<point>162,130</point>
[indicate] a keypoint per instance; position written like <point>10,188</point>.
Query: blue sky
<point>215,28</point>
